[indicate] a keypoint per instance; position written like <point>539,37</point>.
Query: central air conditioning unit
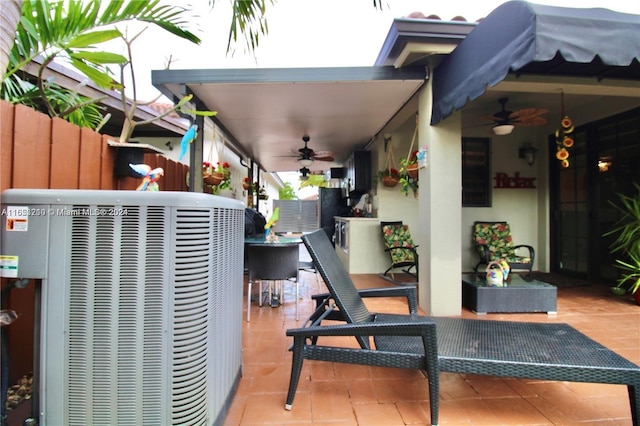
<point>139,300</point>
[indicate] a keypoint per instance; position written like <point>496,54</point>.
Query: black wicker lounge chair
<point>544,351</point>
<point>391,333</point>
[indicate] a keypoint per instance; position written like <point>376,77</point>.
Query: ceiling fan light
<point>503,129</point>
<point>305,162</point>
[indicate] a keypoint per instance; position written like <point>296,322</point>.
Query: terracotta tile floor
<point>340,394</point>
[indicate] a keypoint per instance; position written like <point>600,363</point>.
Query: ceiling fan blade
<point>323,157</point>
<point>530,121</point>
<point>523,114</point>
<point>495,119</point>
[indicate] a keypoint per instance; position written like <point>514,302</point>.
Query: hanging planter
<point>389,181</point>
<point>412,171</point>
<point>389,176</point>
<point>214,179</point>
<point>409,165</point>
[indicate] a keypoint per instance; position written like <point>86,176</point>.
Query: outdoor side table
<point>521,294</point>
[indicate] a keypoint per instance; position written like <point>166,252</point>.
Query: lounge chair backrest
<point>336,277</point>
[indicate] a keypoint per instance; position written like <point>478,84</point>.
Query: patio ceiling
<point>266,112</point>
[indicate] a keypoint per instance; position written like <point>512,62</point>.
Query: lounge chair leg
<point>296,368</point>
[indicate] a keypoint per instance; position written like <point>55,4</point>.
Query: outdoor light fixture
<point>528,152</point>
<point>305,162</point>
<point>168,145</point>
<point>503,129</point>
<point>604,163</point>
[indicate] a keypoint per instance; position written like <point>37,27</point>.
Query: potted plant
<point>407,182</point>
<point>627,242</point>
<point>220,177</point>
<point>410,165</point>
<point>389,177</point>
<point>262,193</point>
<point>247,185</point>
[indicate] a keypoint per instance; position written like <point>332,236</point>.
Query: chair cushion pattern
<point>497,238</point>
<point>398,236</point>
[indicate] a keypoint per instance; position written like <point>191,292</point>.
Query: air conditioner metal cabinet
<point>140,302</point>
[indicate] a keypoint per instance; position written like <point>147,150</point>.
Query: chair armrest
<point>487,253</point>
<point>409,291</point>
<point>532,252</point>
<point>423,326</point>
<point>412,248</point>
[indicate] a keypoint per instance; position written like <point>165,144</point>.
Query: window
<point>476,184</point>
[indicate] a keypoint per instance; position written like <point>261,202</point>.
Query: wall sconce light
<point>503,129</point>
<point>528,152</point>
<point>604,163</point>
<point>305,162</point>
<point>169,146</point>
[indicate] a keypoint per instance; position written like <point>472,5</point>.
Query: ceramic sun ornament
<point>149,176</point>
<point>564,140</point>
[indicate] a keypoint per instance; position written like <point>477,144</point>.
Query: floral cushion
<point>496,237</point>
<point>398,238</point>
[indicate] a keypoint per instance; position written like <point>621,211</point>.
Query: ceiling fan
<point>504,121</point>
<point>306,156</point>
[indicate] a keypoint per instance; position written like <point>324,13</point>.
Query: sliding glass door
<point>604,162</point>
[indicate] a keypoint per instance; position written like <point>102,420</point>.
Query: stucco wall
<point>520,207</point>
<point>390,202</point>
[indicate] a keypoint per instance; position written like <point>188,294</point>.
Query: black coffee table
<point>521,294</point>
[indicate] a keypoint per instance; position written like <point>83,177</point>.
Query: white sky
<point>306,33</point>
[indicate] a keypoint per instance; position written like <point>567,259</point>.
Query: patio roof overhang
<point>520,38</point>
<point>266,112</point>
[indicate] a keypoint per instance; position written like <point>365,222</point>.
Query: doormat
<point>560,280</point>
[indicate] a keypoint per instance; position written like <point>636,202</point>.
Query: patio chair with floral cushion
<point>401,248</point>
<point>493,242</point>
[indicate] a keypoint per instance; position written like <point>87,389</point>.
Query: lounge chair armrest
<point>419,327</point>
<point>319,298</point>
<point>409,291</point>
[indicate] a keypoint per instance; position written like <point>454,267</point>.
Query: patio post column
<point>440,212</point>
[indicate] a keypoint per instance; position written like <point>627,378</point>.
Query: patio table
<point>519,294</point>
<point>544,351</point>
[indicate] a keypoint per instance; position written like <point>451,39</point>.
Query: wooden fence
<point>39,152</point>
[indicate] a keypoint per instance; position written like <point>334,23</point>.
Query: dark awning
<point>525,38</point>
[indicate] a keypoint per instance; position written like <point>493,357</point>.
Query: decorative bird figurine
<point>273,219</point>
<point>271,237</point>
<point>188,138</point>
<point>150,176</point>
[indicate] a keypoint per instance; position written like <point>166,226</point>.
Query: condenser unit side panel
<point>157,340</point>
<point>53,365</point>
<point>192,249</point>
<point>141,305</point>
<point>226,309</point>
<point>107,305</point>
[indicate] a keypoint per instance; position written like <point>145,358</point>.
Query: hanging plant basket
<point>412,171</point>
<point>389,181</point>
<point>214,178</point>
